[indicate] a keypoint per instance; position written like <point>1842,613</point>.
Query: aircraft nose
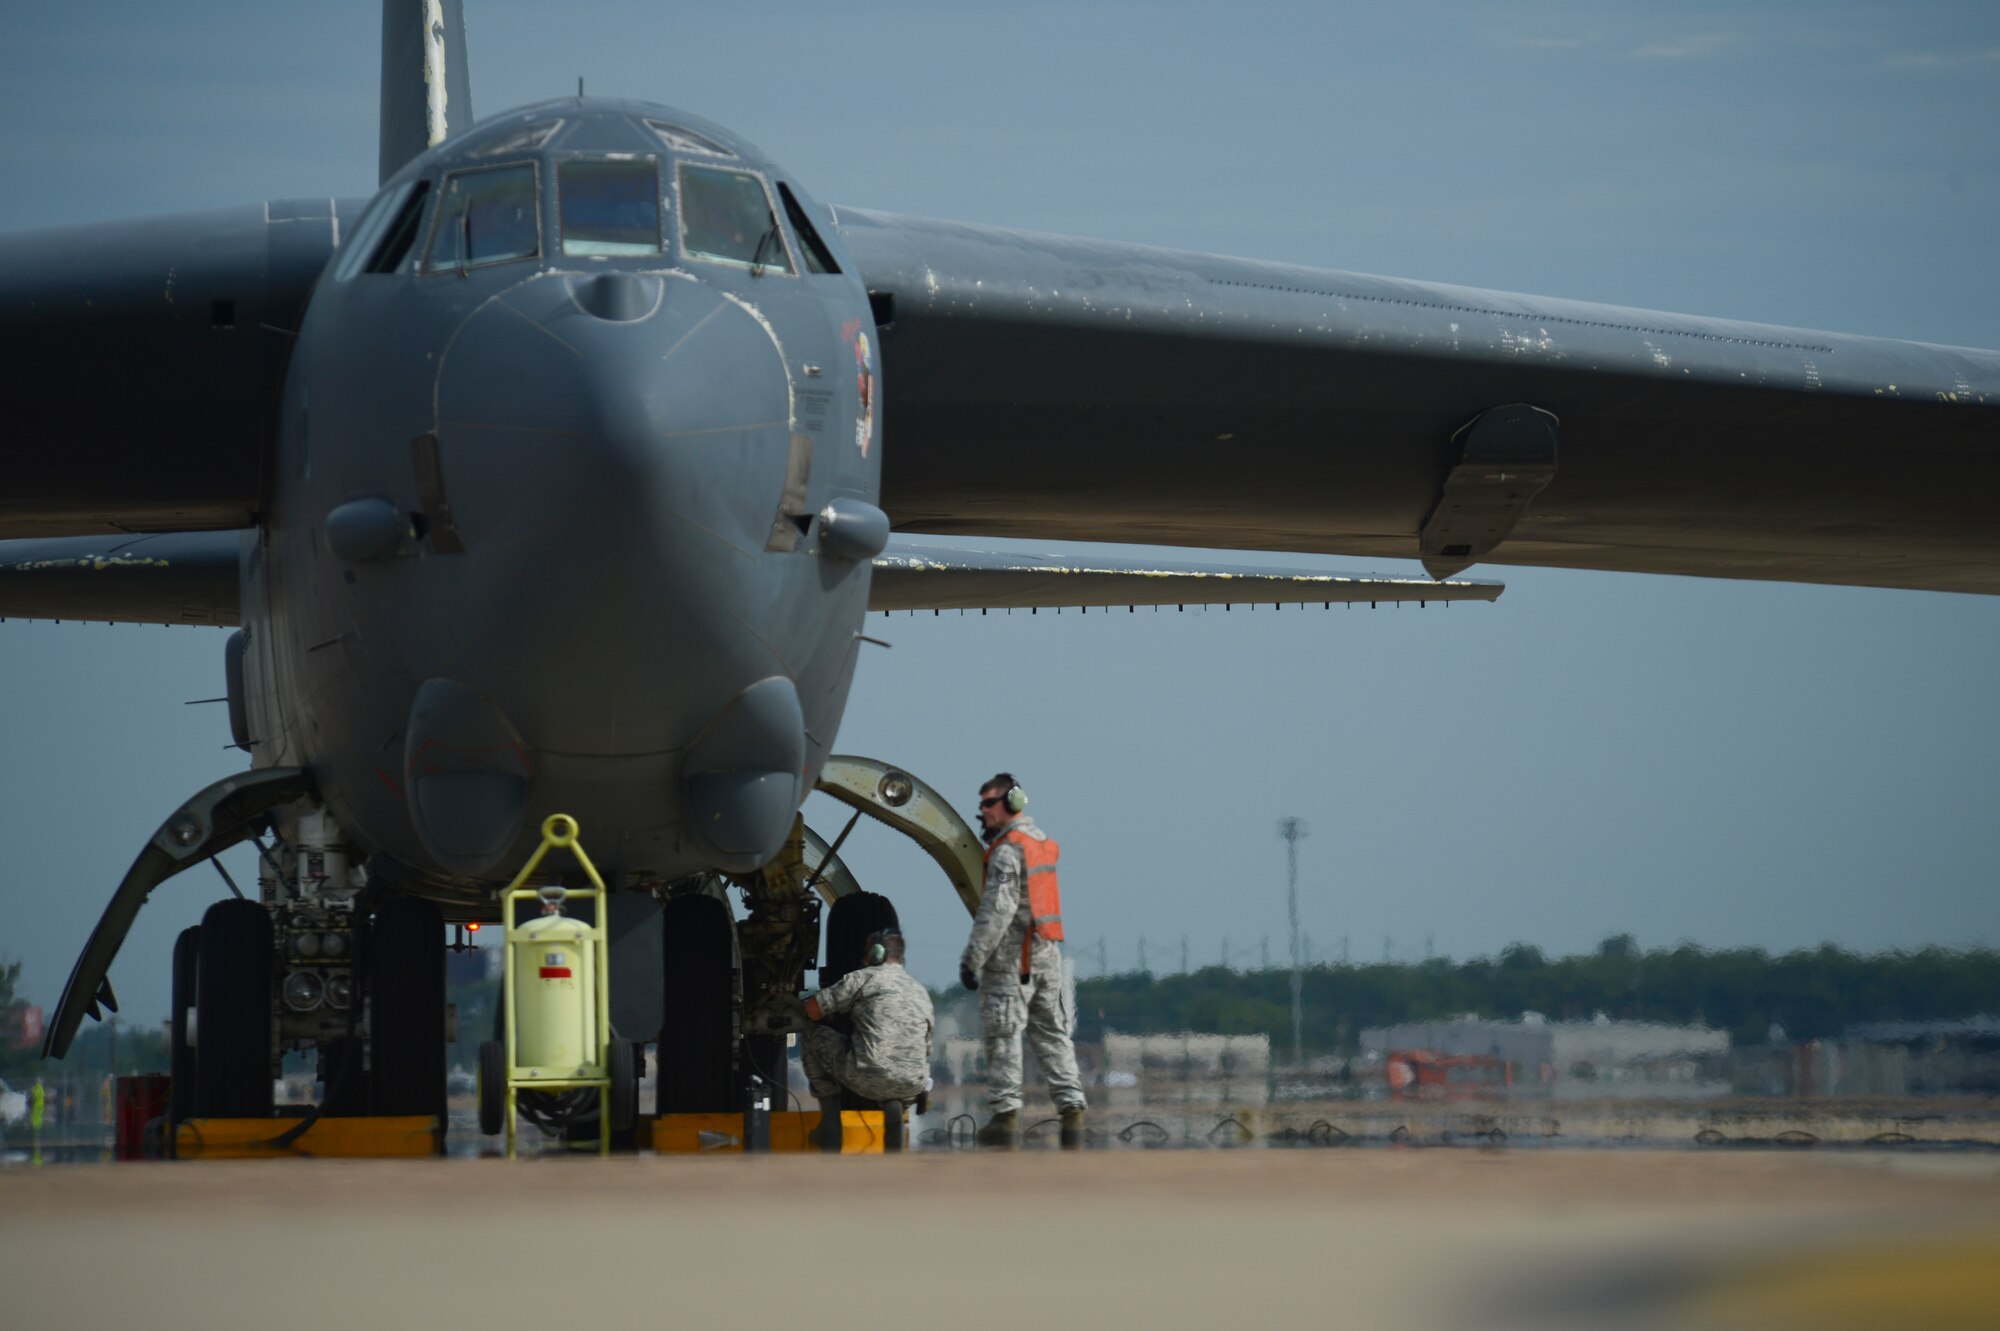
<point>616,450</point>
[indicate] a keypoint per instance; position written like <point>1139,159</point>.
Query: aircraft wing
<point>145,361</point>
<point>170,578</point>
<point>1058,389</point>
<point>192,578</point>
<point>909,576</point>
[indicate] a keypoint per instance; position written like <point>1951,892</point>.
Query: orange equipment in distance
<point>1424,1074</point>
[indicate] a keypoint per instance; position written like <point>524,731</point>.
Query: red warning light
<point>472,928</point>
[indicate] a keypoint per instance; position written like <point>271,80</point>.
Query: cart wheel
<point>492,1087</point>
<point>622,1067</point>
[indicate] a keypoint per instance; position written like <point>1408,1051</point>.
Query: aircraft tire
<point>492,1087</point>
<point>621,1065</point>
<point>767,1055</point>
<point>232,1054</point>
<point>848,923</point>
<point>405,974</point>
<point>696,1070</point>
<point>181,1089</point>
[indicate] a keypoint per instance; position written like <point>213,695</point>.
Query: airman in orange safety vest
<point>1014,960</point>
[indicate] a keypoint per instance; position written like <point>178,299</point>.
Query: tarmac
<point>1403,1238</point>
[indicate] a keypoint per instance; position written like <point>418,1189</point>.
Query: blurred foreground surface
<point>1394,1238</point>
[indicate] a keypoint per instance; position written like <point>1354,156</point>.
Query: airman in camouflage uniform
<point>889,1055</point>
<point>991,964</point>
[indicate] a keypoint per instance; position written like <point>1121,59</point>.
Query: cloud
<point>1941,59</point>
<point>1684,49</point>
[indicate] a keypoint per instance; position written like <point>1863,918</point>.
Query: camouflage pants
<point>1006,1008</point>
<point>828,1056</point>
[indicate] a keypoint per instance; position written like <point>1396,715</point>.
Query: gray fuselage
<point>546,528</point>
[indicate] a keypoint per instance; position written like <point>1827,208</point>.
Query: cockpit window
<point>610,205</point>
<point>726,217</point>
<point>402,232</point>
<point>819,259</point>
<point>485,216</point>
<point>525,139</point>
<point>686,140</point>
<point>365,235</point>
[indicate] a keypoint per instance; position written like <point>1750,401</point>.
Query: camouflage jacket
<point>892,1019</point>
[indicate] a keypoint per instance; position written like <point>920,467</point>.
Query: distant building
<point>1970,1032</point>
<point>1890,1058</point>
<point>1639,1057</point>
<point>1187,1068</point>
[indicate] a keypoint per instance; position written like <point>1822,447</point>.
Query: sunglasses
<point>992,800</point>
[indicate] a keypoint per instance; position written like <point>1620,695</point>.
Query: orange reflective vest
<point>1044,894</point>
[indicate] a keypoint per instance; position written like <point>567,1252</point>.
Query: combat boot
<point>1000,1132</point>
<point>827,1136</point>
<point>1072,1129</point>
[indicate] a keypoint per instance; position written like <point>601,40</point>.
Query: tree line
<point>1810,994</point>
<point>99,1048</point>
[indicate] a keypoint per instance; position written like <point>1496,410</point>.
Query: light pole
<point>1291,830</point>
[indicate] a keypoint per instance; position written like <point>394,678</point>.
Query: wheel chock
<point>387,1138</point>
<point>862,1132</point>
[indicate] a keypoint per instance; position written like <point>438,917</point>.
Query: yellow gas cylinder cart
<point>557,1061</point>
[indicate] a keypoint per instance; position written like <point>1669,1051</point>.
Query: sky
<point>1681,759</point>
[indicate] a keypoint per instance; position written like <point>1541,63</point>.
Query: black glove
<point>966,977</point>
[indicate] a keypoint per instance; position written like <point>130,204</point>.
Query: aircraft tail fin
<point>426,84</point>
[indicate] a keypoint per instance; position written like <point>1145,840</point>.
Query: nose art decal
<point>864,383</point>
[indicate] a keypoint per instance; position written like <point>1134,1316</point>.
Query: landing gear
<point>778,939</point>
<point>325,961</point>
<point>309,965</point>
<point>731,984</point>
<point>242,993</point>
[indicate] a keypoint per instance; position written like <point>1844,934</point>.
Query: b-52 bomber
<point>561,474</point>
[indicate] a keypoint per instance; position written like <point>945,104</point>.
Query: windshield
<point>726,218</point>
<point>486,216</point>
<point>610,206</point>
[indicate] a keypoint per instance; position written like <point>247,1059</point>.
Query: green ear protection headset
<point>877,951</point>
<point>1016,798</point>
